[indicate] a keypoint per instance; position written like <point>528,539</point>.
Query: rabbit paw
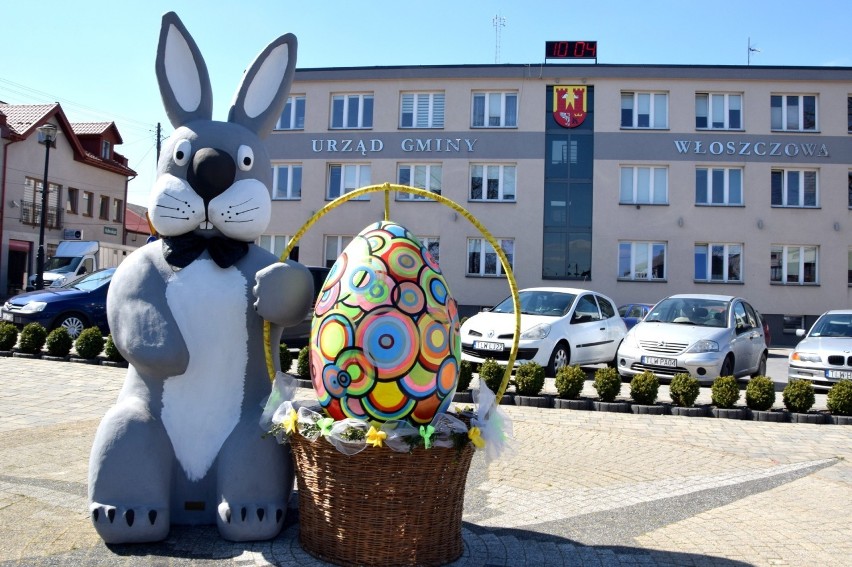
<point>122,524</point>
<point>250,522</point>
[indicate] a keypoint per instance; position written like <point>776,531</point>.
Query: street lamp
<point>47,135</point>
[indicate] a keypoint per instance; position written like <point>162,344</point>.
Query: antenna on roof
<point>498,22</point>
<point>750,49</point>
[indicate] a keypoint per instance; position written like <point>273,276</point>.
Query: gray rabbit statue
<point>182,444</point>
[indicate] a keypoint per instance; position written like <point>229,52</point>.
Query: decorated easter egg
<point>385,341</point>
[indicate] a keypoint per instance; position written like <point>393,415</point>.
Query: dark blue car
<point>76,306</point>
<point>632,313</point>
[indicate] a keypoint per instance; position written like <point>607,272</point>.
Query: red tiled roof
<point>22,117</point>
<point>83,128</point>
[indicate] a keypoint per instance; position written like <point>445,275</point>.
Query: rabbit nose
<point>211,173</point>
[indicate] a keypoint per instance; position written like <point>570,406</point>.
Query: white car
<point>703,335</point>
<point>824,356</point>
<point>559,326</point>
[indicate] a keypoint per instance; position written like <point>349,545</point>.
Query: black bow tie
<point>180,251</point>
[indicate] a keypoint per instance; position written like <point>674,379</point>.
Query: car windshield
<point>833,325</point>
<point>92,281</point>
<point>62,264</point>
<point>690,311</point>
<point>547,303</point>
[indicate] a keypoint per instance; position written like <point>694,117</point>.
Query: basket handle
<point>387,188</point>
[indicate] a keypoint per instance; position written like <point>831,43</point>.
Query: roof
<point>21,117</point>
<point>96,129</point>
<point>136,219</point>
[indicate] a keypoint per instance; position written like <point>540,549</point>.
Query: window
<point>796,113</point>
<point>275,243</point>
<point>644,186</point>
<point>352,111</point>
<point>421,110</point>
<point>492,182</point>
<point>88,204</point>
<point>794,264</point>
<point>423,176</point>
<point>74,198</point>
<point>286,181</point>
<point>849,266</point>
<point>718,262</point>
<point>105,149</point>
<point>644,110</point>
<point>718,111</point>
<point>31,203</point>
<point>482,259</point>
<point>334,246</point>
<point>117,210</point>
<point>718,186</point>
<point>794,188</point>
<point>293,115</point>
<point>433,245</point>
<point>104,209</point>
<point>345,178</point>
<point>642,261</point>
<point>494,110</point>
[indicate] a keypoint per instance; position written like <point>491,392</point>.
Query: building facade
<point>87,187</point>
<point>636,181</point>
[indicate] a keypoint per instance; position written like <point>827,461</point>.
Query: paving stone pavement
<point>582,488</point>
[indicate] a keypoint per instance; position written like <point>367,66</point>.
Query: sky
<point>96,58</point>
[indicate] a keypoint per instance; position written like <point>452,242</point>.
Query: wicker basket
<point>380,508</point>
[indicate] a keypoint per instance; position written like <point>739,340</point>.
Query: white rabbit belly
<point>202,406</point>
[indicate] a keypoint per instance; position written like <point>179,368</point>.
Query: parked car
<point>824,356</point>
<point>703,335</point>
<point>559,326</point>
<point>298,335</point>
<point>75,306</point>
<point>767,334</point>
<point>632,313</point>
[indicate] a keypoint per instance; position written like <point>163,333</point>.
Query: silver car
<point>824,356</point>
<point>703,335</point>
<point>559,326</point>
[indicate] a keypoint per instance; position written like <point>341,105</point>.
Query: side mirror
<point>800,332</point>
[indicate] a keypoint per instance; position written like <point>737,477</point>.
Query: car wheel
<point>559,359</point>
<point>761,366</point>
<point>727,366</point>
<point>74,323</point>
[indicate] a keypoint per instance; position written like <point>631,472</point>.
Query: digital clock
<point>571,50</point>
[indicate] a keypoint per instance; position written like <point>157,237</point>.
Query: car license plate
<point>839,374</point>
<point>657,361</point>
<point>8,317</point>
<point>485,345</point>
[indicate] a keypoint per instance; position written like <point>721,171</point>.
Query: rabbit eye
<point>245,158</point>
<point>183,150</point>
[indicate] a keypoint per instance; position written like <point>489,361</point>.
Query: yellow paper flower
<point>289,422</point>
<point>376,437</point>
<point>475,437</point>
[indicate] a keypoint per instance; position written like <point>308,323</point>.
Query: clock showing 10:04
<point>571,50</point>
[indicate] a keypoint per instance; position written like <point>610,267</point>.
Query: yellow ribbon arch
<point>387,188</point>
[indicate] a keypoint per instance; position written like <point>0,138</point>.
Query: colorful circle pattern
<point>385,341</point>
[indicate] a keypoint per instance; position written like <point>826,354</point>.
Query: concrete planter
<point>578,404</point>
<point>85,360</point>
<point>5,353</point>
<point>465,397</point>
<point>114,363</point>
<point>55,358</point>
<point>507,400</point>
<point>840,419</point>
<point>728,413</point>
<point>18,354</point>
<point>534,401</point>
<point>614,407</point>
<point>693,411</point>
<point>779,416</point>
<point>642,409</point>
<point>807,417</point>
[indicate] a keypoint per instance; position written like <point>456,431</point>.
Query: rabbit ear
<point>182,74</point>
<point>263,92</point>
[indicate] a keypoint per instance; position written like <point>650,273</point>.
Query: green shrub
<point>529,379</point>
<point>111,351</point>
<point>684,389</point>
<point>760,393</point>
<point>32,338</point>
<point>89,343</point>
<point>303,363</point>
<point>644,388</point>
<point>8,336</point>
<point>284,357</point>
<point>570,381</point>
<point>465,376</point>
<point>799,395</point>
<point>59,342</point>
<point>607,383</point>
<point>725,392</point>
<point>491,374</point>
<point>839,399</point>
